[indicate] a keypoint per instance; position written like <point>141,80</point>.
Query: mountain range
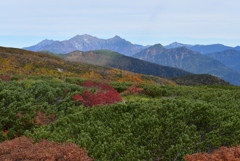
<point>87,43</point>
<point>188,60</point>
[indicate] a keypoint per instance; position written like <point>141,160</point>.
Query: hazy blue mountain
<point>177,45</point>
<point>190,61</point>
<point>41,45</point>
<point>237,48</point>
<point>116,60</point>
<point>204,49</point>
<point>87,43</point>
<point>230,58</point>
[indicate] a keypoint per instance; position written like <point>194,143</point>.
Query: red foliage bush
<point>77,97</point>
<point>134,90</point>
<point>98,85</point>
<point>100,98</point>
<point>24,149</point>
<point>105,94</point>
<point>222,154</point>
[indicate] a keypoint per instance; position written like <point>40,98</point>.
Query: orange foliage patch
<point>5,77</point>
<point>24,149</point>
<point>41,119</point>
<point>222,154</point>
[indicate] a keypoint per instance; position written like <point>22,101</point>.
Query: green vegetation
<point>151,123</point>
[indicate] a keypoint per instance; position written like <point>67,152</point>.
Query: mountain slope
<point>188,60</point>
<point>204,49</point>
<point>87,43</point>
<point>116,60</point>
<point>237,48</point>
<point>230,58</point>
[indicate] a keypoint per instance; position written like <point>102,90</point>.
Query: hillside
<point>87,43</point>
<point>116,60</point>
<point>188,60</point>
<point>22,62</point>
<point>229,58</point>
<point>199,79</point>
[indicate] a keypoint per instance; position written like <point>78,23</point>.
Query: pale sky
<point>147,22</point>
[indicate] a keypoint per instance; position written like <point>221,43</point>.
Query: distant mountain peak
<point>176,45</point>
<point>157,46</point>
<point>85,36</point>
<point>117,37</point>
<point>46,42</point>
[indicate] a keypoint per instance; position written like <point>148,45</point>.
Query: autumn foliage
<point>222,154</point>
<point>101,94</point>
<point>41,119</point>
<point>5,77</point>
<point>134,90</point>
<point>24,149</point>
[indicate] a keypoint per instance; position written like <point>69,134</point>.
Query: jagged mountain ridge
<point>188,60</point>
<point>87,43</point>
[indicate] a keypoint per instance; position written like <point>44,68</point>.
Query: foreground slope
<point>190,61</point>
<point>161,123</point>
